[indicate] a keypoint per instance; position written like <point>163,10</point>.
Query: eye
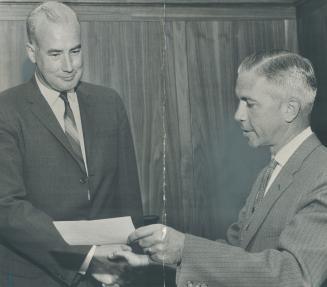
<point>54,55</point>
<point>76,51</point>
<point>250,104</point>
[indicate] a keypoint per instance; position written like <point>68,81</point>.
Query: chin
<point>67,86</point>
<point>253,143</point>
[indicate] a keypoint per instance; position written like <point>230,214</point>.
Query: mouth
<point>246,132</point>
<point>68,78</point>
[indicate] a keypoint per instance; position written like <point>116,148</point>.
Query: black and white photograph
<point>163,143</point>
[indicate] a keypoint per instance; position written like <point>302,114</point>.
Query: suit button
<point>84,180</point>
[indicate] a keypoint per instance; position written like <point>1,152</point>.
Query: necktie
<point>266,175</point>
<point>71,128</point>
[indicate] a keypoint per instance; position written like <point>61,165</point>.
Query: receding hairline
<point>278,66</point>
<point>52,12</point>
<point>259,59</point>
<point>290,72</point>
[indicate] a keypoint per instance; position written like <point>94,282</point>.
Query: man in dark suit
<point>280,238</point>
<point>66,153</point>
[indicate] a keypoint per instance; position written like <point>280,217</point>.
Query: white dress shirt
<point>57,105</point>
<point>283,155</point>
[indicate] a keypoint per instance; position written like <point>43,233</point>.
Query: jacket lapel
<point>87,115</point>
<point>259,215</point>
<point>43,112</point>
<point>279,186</point>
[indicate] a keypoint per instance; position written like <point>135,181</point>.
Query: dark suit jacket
<point>42,181</point>
<point>283,243</point>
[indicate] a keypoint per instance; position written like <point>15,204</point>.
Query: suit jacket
<point>283,243</point>
<point>41,180</point>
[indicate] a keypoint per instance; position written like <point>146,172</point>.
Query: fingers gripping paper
<point>96,232</point>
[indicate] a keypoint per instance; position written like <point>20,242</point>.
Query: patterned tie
<point>266,175</point>
<point>71,128</point>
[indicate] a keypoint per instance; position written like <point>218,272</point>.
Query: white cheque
<point>96,232</point>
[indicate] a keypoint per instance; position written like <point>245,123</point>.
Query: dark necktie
<point>266,175</point>
<point>71,128</point>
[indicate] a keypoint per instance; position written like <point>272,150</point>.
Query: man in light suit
<point>66,153</point>
<point>280,238</point>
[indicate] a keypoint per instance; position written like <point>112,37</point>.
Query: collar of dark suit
<point>33,93</point>
<point>43,112</point>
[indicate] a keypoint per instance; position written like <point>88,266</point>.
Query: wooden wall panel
<point>13,62</point>
<point>209,166</point>
<point>312,33</point>
<point>224,167</point>
<point>144,10</point>
<point>159,2</point>
<point>127,57</point>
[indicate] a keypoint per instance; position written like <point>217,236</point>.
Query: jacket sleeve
<point>23,228</point>
<point>299,260</point>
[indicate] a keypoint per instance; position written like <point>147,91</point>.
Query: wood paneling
<point>13,56</point>
<point>209,165</point>
<point>223,170</point>
<point>307,7</point>
<point>312,33</point>
<point>138,2</point>
<point>154,11</point>
<point>127,57</point>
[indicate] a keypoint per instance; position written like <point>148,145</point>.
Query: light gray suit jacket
<point>283,243</point>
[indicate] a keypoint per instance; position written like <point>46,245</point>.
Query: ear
<point>292,109</point>
<point>30,49</point>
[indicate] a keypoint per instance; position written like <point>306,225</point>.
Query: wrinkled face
<point>260,110</point>
<point>57,54</point>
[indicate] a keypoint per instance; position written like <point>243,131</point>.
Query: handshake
<point>160,245</point>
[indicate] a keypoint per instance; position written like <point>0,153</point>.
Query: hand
<point>102,252</point>
<point>104,270</point>
<point>164,244</point>
<point>134,260</point>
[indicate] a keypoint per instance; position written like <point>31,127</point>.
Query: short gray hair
<point>53,11</point>
<point>286,69</point>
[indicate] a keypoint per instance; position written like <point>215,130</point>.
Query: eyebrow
<point>247,99</point>
<point>53,51</point>
<point>79,46</point>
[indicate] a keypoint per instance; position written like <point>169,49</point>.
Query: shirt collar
<point>283,155</point>
<point>51,95</point>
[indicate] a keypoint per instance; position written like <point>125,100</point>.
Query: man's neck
<point>289,135</point>
<point>41,80</point>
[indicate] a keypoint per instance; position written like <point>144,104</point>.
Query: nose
<point>240,114</point>
<point>67,65</point>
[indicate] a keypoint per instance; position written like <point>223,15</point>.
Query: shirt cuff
<point>87,260</point>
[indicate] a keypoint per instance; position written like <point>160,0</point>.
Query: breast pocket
<point>104,148</point>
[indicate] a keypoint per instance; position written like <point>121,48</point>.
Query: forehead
<point>251,85</point>
<point>49,34</point>
<point>246,80</point>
